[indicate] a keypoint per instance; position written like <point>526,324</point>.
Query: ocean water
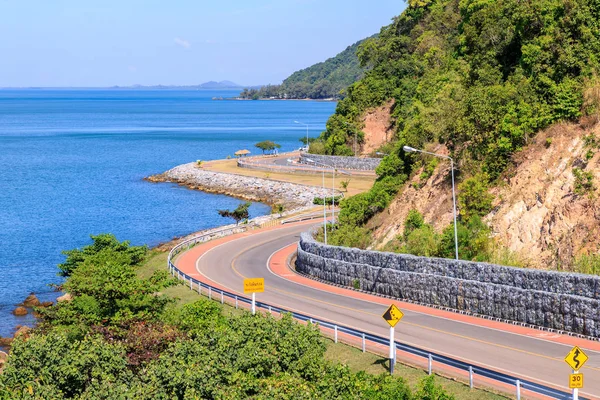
<point>72,163</point>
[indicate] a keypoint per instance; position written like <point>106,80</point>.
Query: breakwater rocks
<point>355,163</point>
<point>561,301</point>
<point>292,195</point>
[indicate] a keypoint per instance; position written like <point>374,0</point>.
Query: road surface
<point>536,356</point>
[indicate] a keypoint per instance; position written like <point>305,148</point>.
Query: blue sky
<point>125,42</point>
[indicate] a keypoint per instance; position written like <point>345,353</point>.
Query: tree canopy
<point>267,145</point>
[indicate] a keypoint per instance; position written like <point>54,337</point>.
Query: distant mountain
<point>324,80</point>
<point>211,85</point>
<point>220,85</point>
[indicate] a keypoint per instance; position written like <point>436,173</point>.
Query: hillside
<point>324,80</point>
<point>478,81</point>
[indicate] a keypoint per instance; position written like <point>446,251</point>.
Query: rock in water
<point>64,297</point>
<point>47,304</point>
<point>23,331</point>
<point>31,301</point>
<point>20,311</point>
<point>5,341</point>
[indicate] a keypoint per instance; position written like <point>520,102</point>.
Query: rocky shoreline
<point>291,195</point>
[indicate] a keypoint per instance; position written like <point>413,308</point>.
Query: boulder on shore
<point>20,311</point>
<point>31,301</point>
<point>47,304</point>
<point>5,342</point>
<point>64,297</point>
<point>3,358</point>
<point>23,331</point>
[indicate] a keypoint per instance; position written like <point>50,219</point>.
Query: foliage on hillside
<point>324,80</point>
<point>119,338</point>
<point>480,76</point>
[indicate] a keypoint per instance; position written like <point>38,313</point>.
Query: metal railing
<point>431,357</point>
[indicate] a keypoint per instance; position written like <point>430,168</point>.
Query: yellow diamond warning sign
<point>393,315</point>
<point>576,358</point>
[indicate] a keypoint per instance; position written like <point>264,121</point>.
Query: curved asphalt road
<point>537,358</point>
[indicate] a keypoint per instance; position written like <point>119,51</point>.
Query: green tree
<point>267,145</point>
<point>240,213</point>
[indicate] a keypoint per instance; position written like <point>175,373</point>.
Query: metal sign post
<point>392,350</point>
<point>253,303</point>
<point>392,315</point>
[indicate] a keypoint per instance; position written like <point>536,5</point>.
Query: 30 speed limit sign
<point>576,381</point>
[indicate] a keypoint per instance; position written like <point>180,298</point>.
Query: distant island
<point>210,85</point>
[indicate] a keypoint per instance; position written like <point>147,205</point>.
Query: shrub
<point>414,220</point>
<point>473,197</point>
<point>584,182</point>
<point>328,200</point>
<point>349,236</point>
<point>422,241</point>
<point>474,241</point>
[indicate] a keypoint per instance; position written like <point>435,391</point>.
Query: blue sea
<point>72,164</point>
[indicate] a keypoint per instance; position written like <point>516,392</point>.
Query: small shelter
<point>242,153</point>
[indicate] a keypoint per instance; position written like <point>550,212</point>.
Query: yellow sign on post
<point>576,381</point>
<point>576,358</point>
<point>393,315</point>
<point>254,285</point>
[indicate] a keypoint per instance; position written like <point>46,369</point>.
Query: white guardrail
<point>520,385</point>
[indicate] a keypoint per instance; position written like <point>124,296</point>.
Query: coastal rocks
<point>3,358</point>
<point>246,187</point>
<point>20,311</point>
<point>5,342</point>
<point>64,298</point>
<point>46,304</point>
<point>31,301</point>
<point>23,331</point>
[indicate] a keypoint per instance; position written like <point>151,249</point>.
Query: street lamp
<point>301,123</point>
<point>324,202</point>
<point>341,171</point>
<point>409,149</point>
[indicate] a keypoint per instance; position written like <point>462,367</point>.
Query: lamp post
<point>332,183</point>
<point>301,123</point>
<point>409,149</point>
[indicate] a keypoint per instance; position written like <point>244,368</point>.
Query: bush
<point>474,241</point>
<point>584,182</point>
<point>474,198</point>
<point>587,264</point>
<point>422,241</point>
<point>349,236</point>
<point>414,220</point>
<point>328,200</point>
<point>131,255</point>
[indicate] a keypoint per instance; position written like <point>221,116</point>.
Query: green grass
<point>371,363</point>
<point>354,358</point>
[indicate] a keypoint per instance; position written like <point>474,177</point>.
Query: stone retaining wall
<point>561,301</point>
<point>357,163</point>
